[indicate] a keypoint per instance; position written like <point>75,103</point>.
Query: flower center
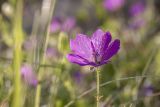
<point>97,57</point>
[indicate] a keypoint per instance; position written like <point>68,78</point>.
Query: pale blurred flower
<point>137,23</point>
<point>137,8</point>
<point>28,75</point>
<point>69,24</point>
<point>78,76</point>
<point>55,25</point>
<point>113,5</point>
<point>66,25</point>
<point>51,52</point>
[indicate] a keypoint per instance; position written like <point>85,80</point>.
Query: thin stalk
<point>18,39</point>
<point>146,69</point>
<point>98,86</point>
<point>40,70</point>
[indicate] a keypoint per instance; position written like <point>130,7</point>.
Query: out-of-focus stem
<point>18,39</point>
<point>42,58</point>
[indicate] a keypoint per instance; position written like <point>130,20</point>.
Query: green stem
<point>98,87</point>
<point>18,39</point>
<point>40,71</point>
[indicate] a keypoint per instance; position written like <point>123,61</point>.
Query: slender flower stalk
<point>18,38</point>
<point>98,87</point>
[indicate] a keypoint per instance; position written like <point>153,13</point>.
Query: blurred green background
<point>34,38</point>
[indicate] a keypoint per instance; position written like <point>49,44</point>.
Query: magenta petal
<point>81,46</point>
<point>73,58</point>
<point>105,41</point>
<point>77,59</point>
<point>97,38</point>
<point>111,50</point>
<point>101,40</point>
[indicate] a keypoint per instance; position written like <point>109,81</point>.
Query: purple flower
<point>65,25</point>
<point>78,77</point>
<point>50,52</point>
<point>69,24</point>
<point>137,8</point>
<point>148,90</point>
<point>136,23</point>
<point>28,76</point>
<point>30,43</point>
<point>55,25</point>
<point>113,5</point>
<point>94,51</point>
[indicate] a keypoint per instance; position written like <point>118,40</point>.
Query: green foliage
<point>131,78</point>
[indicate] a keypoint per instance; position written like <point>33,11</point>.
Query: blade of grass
<point>145,70</point>
<point>141,98</point>
<point>42,53</point>
<point>18,39</point>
